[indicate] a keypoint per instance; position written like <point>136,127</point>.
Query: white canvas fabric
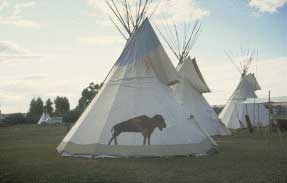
<point>189,94</point>
<point>189,70</point>
<point>258,114</point>
<point>257,109</point>
<point>136,86</point>
<point>44,118</point>
<point>233,114</point>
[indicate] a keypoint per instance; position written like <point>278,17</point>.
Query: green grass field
<point>28,154</point>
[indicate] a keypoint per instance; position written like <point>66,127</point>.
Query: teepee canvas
<point>135,113</point>
<point>189,92</point>
<point>44,118</point>
<point>234,112</point>
<point>257,111</point>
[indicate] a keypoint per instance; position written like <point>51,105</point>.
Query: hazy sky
<point>57,47</point>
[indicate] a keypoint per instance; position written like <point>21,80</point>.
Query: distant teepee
<point>192,86</point>
<point>135,113</point>
<point>233,114</point>
<point>44,118</point>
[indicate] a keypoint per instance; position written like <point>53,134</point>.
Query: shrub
<point>72,116</point>
<point>16,118</point>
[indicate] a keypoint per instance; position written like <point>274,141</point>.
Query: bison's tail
<point>113,129</point>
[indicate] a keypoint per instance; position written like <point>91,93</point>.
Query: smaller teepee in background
<point>44,118</point>
<point>234,112</point>
<point>192,86</point>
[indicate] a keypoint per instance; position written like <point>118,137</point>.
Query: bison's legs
<point>114,137</point>
<point>111,140</point>
<point>149,139</point>
<point>144,142</point>
<point>145,134</point>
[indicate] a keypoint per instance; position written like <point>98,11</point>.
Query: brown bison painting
<point>142,124</point>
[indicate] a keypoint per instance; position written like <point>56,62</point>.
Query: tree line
<point>37,107</point>
<point>60,107</point>
<point>88,95</point>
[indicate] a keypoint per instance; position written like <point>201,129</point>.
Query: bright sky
<point>50,48</point>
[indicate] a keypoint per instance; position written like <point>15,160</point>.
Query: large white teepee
<point>136,101</point>
<point>44,118</point>
<point>189,93</point>
<point>233,114</point>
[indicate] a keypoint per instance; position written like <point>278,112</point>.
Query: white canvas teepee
<point>190,94</point>
<point>136,101</point>
<point>235,111</point>
<point>44,118</point>
<point>192,86</point>
<point>233,114</point>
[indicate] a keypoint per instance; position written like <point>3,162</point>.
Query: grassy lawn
<point>28,154</point>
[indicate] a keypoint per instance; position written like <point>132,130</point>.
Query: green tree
<point>16,118</point>
<point>35,110</point>
<point>62,106</point>
<point>72,116</point>
<point>49,107</point>
<point>88,95</point>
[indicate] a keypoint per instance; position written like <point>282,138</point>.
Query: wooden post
<point>270,111</point>
<point>249,125</point>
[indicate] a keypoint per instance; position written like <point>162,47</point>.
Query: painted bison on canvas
<point>142,124</point>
